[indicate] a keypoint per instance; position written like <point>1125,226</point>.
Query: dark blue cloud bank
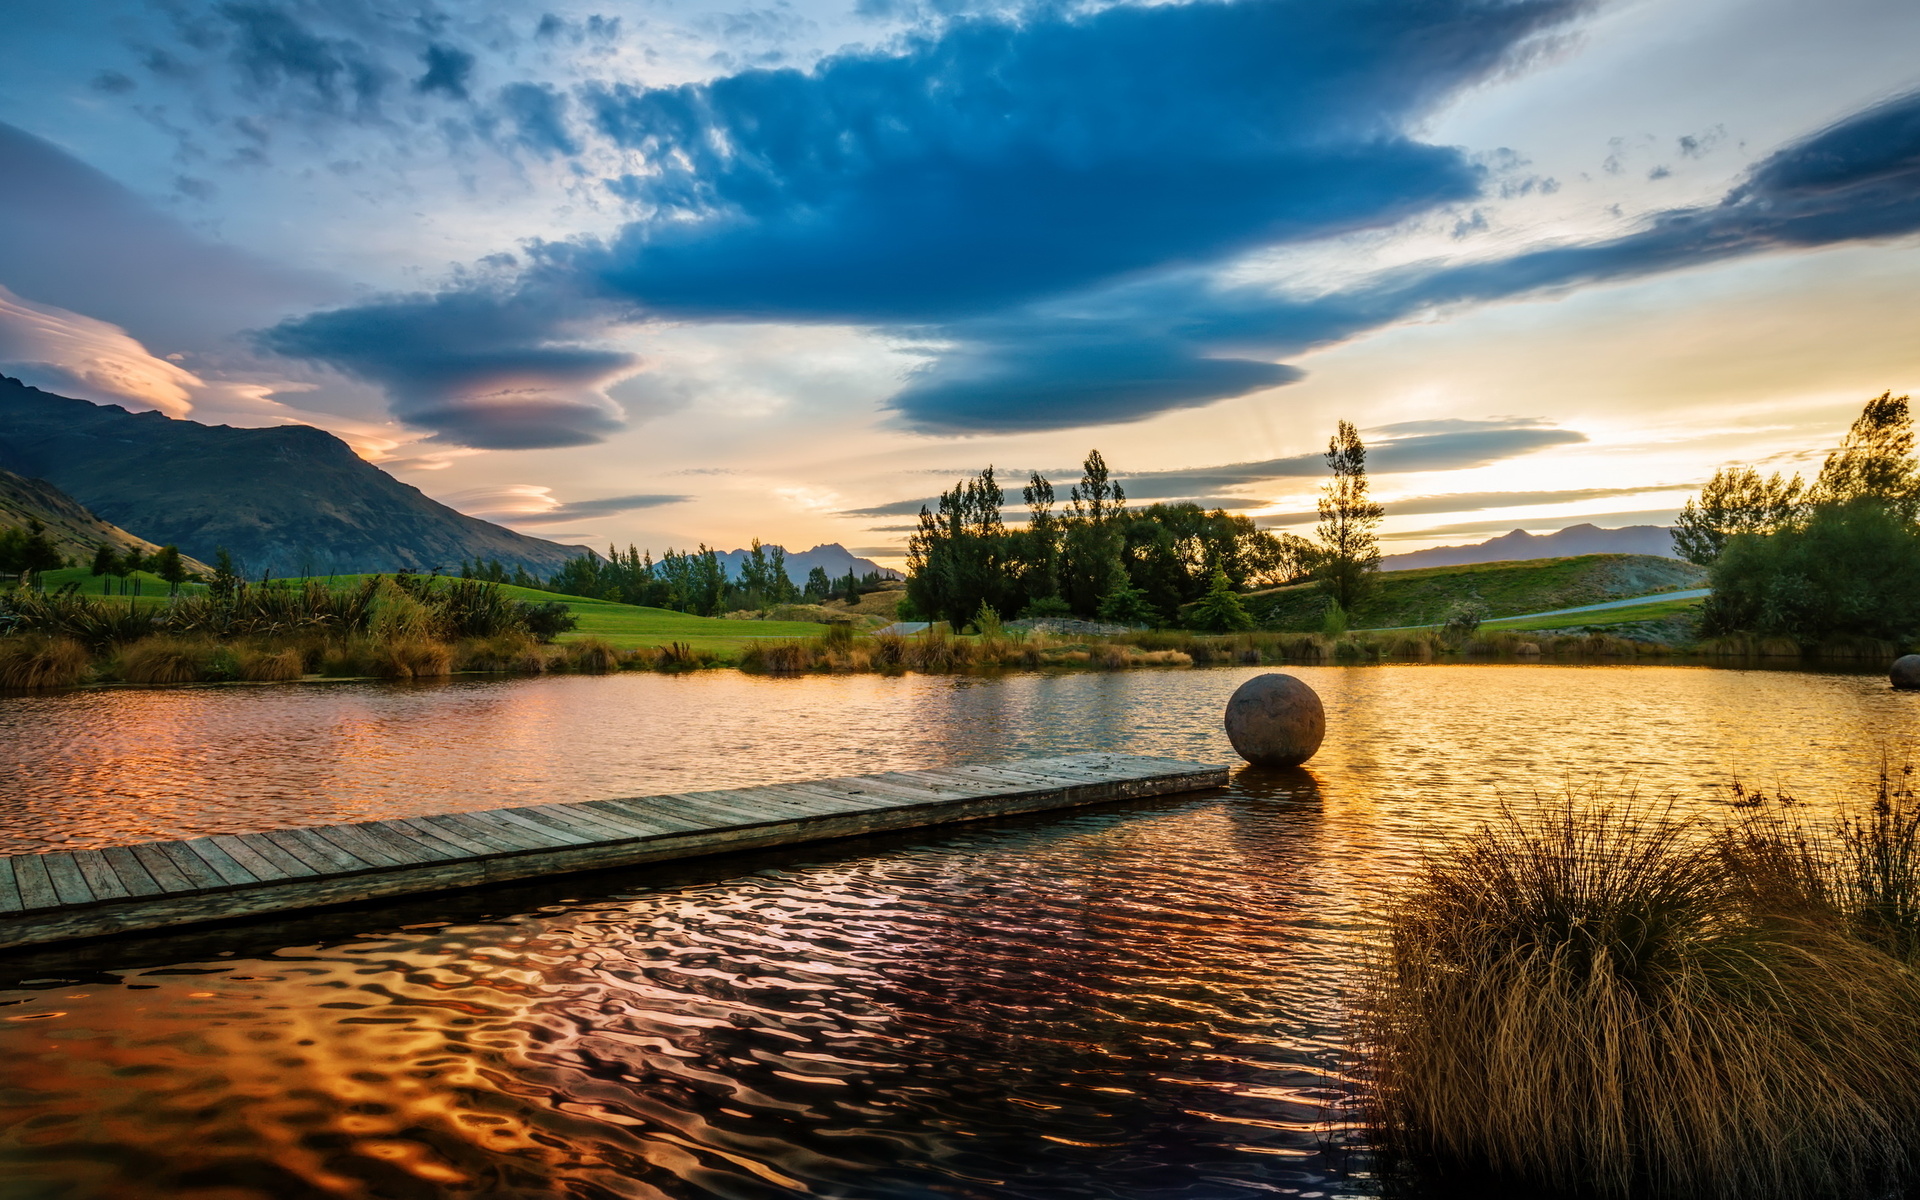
<point>1041,201</point>
<point>491,369</point>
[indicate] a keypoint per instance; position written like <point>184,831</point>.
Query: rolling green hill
<point>1423,596</point>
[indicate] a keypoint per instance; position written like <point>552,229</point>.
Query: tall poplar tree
<point>1349,550</point>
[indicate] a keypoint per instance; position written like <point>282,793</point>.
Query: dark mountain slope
<point>290,499</point>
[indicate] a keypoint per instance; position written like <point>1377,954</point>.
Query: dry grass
<point>410,658</point>
<point>592,656</point>
<point>269,665</point>
<point>1599,1001</point>
<point>169,660</point>
<point>513,652</point>
<point>32,660</point>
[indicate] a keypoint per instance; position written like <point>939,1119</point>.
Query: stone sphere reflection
<point>1906,671</point>
<point>1275,720</point>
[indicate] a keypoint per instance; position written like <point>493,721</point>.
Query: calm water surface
<point>1136,1001</point>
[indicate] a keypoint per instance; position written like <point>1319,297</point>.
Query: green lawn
<point>1653,610</point>
<point>624,625</point>
<point>1418,597</point>
<point>151,585</point>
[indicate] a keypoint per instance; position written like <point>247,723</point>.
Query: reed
<point>36,661</point>
<point>1590,1002</point>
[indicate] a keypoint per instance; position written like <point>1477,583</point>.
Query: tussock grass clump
<point>503,652</point>
<point>266,664</point>
<point>1597,1001</point>
<point>592,656</point>
<point>36,661</point>
<point>410,658</point>
<point>171,660</point>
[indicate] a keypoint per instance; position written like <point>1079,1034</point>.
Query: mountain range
<point>287,499</point>
<point>835,558</point>
<point>1521,545</point>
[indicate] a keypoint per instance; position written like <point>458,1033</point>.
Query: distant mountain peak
<point>1519,545</point>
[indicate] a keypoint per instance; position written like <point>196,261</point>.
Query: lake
<point>1135,1001</point>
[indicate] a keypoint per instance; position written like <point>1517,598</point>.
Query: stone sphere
<point>1906,671</point>
<point>1275,721</point>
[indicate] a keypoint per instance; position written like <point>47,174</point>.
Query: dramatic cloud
<point>1006,160</point>
<point>1414,506</point>
<point>492,371</point>
<point>78,356</point>
<point>1410,446</point>
<point>532,504</point>
<point>1043,207</point>
<point>71,237</point>
<point>1856,180</point>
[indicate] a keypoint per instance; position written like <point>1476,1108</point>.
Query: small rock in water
<point>1906,672</point>
<point>1275,720</point>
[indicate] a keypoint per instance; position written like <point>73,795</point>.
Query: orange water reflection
<point>99,768</point>
<point>1131,1002</point>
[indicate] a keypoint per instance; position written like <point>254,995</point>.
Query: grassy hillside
<point>1423,596</point>
<point>76,531</point>
<point>628,625</point>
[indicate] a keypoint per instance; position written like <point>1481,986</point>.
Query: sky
<point>672,272</point>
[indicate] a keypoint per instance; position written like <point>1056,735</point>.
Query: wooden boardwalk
<point>91,893</point>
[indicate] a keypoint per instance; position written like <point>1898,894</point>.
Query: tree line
<point>697,581</point>
<point>1835,557</point>
<point>1095,557</point>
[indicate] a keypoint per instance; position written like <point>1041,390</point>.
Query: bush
<point>1591,1001</point>
<point>1847,570</point>
<point>36,661</point>
<point>549,619</point>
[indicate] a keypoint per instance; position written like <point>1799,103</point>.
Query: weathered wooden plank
<point>159,864</point>
<point>429,847</point>
<point>508,819</point>
<point>228,868</point>
<point>135,878</point>
<point>737,807</point>
<point>363,842</point>
<point>828,799</point>
<point>68,883</point>
<point>36,889</point>
<point>288,864</point>
<point>603,826</point>
<point>9,890</point>
<point>651,817</point>
<point>186,862</point>
<point>323,856</point>
<point>510,838</point>
<point>100,876</point>
<point>718,814</point>
<point>470,837</point>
